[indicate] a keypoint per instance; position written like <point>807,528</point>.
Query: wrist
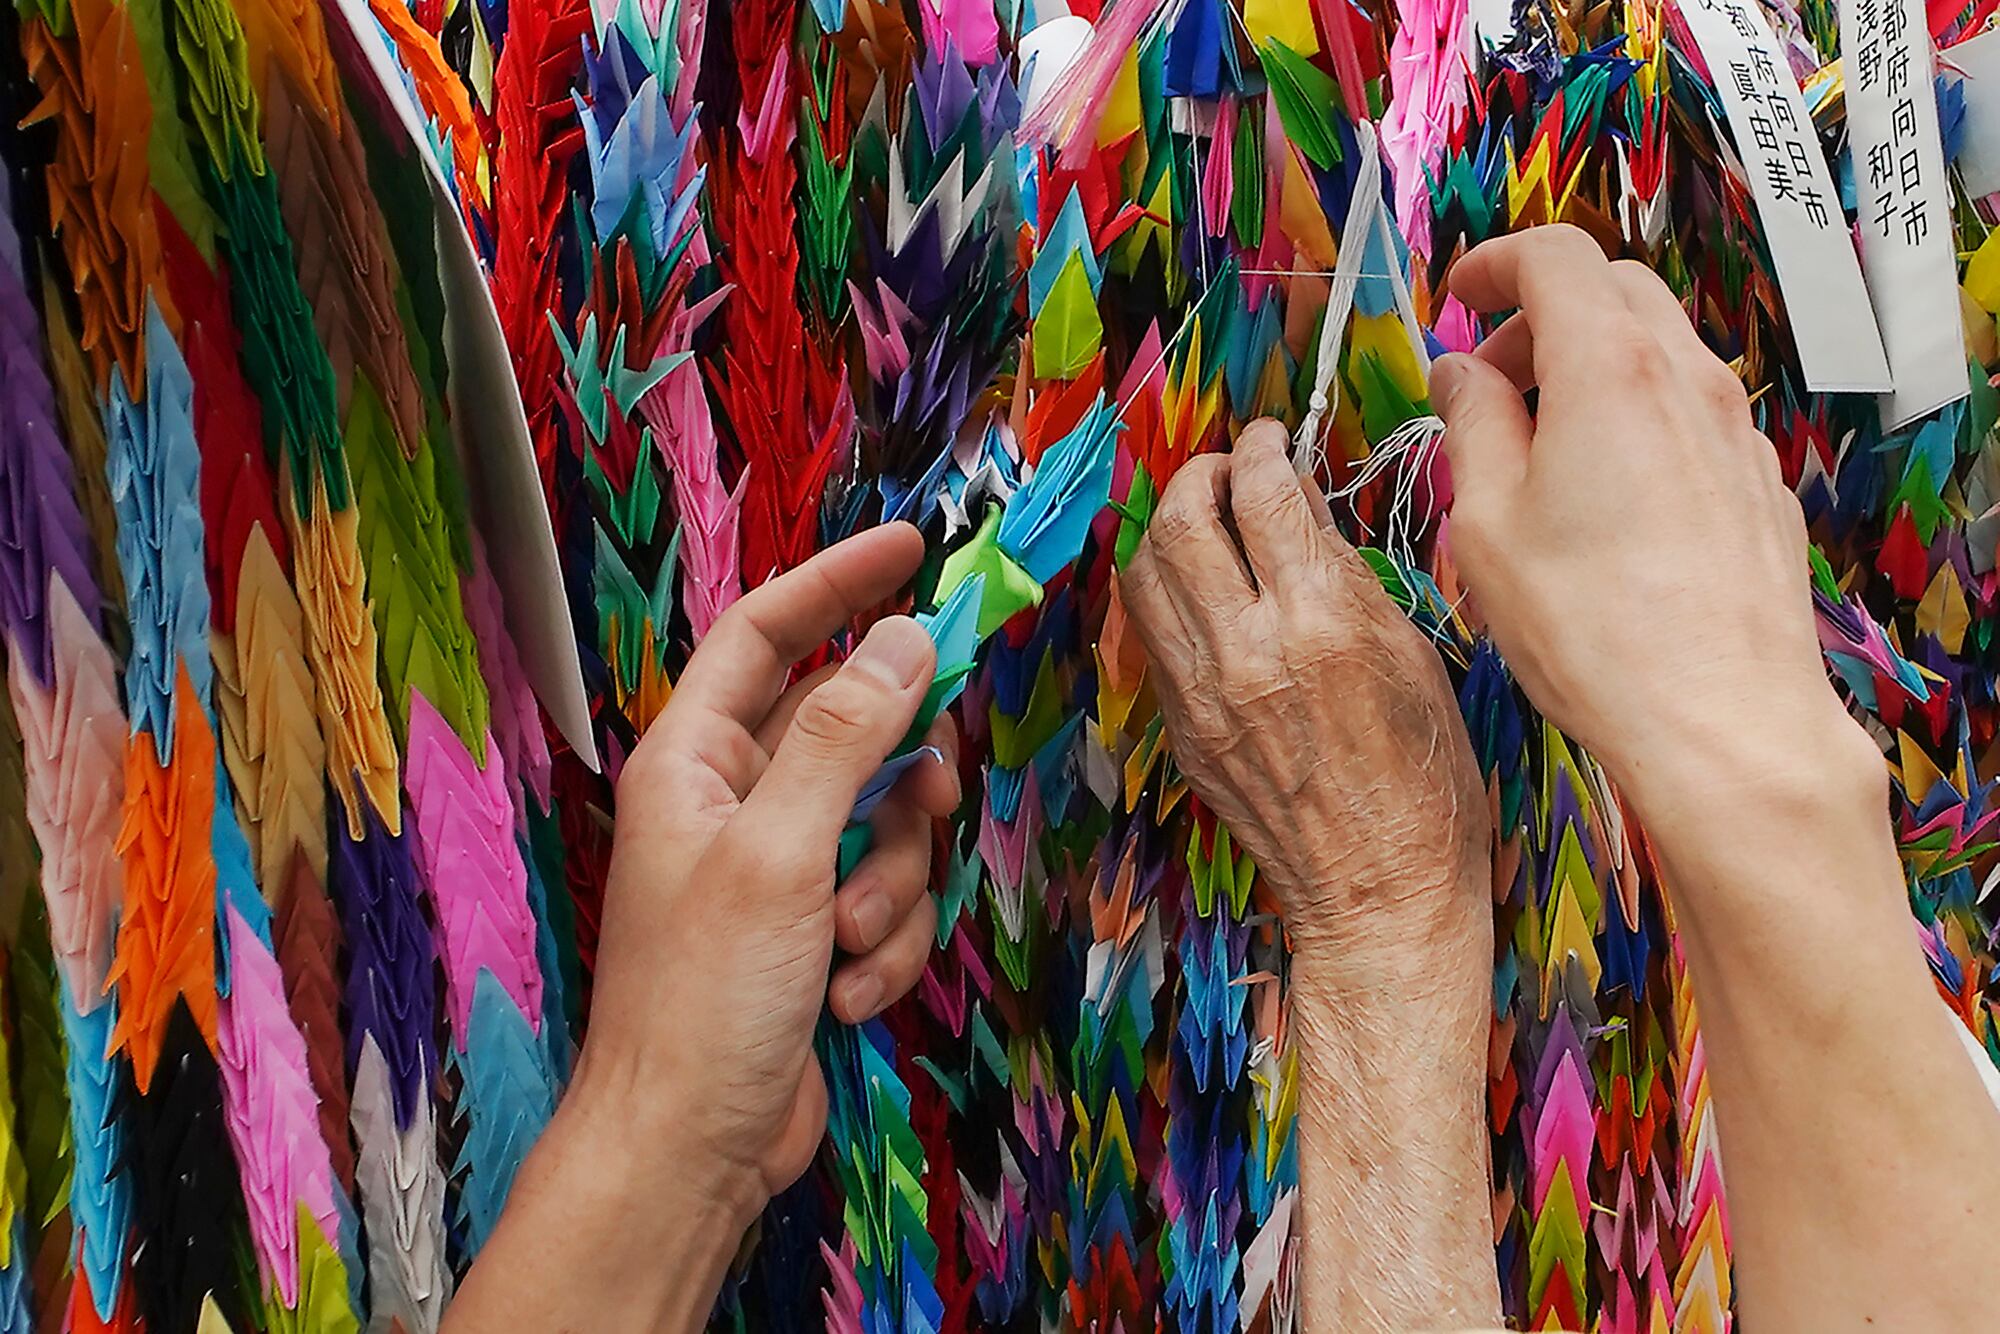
<point>1392,1119</point>
<point>672,1215</point>
<point>1789,825</point>
<point>608,1227</point>
<point>654,1153</point>
<point>1728,788</point>
<point>1408,1022</point>
<point>1442,973</point>
<point>1370,1017</point>
<point>1403,928</point>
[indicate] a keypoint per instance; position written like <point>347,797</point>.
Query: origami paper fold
<point>402,1195</point>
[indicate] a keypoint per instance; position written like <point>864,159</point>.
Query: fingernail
<point>895,652</point>
<point>864,997</point>
<point>870,912</point>
<point>944,752</point>
<point>1447,374</point>
<point>1316,501</point>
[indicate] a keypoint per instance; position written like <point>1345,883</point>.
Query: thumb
<point>838,738</point>
<point>1487,428</point>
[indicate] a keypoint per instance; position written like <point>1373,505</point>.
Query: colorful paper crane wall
<point>300,889</point>
<point>244,598</point>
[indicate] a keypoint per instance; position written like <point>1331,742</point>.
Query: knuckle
<point>1627,344</point>
<point>1638,276</point>
<point>1563,240</point>
<point>1264,494</point>
<point>836,710</point>
<point>1171,526</point>
<point>737,615</point>
<point>1197,476</point>
<point>1720,387</point>
<point>920,872</point>
<point>1577,241</point>
<point>1192,487</point>
<point>650,768</point>
<point>1264,433</point>
<point>911,841</point>
<point>903,957</point>
<point>1140,585</point>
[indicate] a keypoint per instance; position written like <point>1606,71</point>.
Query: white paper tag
<point>1840,348</point>
<point>1978,59</point>
<point>1492,21</point>
<point>1903,204</point>
<point>486,416</point>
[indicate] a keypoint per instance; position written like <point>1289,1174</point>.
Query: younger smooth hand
<point>721,916</point>
<point>1632,546</point>
<point>698,1095</point>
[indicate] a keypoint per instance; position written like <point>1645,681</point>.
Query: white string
<point>1385,456</point>
<point>1166,350</point>
<point>1412,446</point>
<point>1308,448</point>
<point>1437,633</point>
<point>1307,273</point>
<point>1429,431</point>
<point>1366,211</point>
<point>1410,450</point>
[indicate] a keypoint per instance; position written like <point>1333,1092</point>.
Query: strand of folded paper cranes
<point>239,200</point>
<point>63,690</point>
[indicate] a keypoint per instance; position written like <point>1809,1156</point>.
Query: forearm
<point>1858,1143</point>
<point>606,1230</point>
<point>1394,1185</point>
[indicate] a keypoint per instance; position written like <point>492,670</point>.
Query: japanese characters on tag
<point>1840,348</point>
<point>1903,204</point>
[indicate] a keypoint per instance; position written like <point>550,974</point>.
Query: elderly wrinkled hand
<point>1303,707</point>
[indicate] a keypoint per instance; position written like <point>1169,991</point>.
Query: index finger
<point>740,668</point>
<point>1561,282</point>
<point>1280,532</point>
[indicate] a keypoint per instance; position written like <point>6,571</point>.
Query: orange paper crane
<point>100,203</point>
<point>166,939</point>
